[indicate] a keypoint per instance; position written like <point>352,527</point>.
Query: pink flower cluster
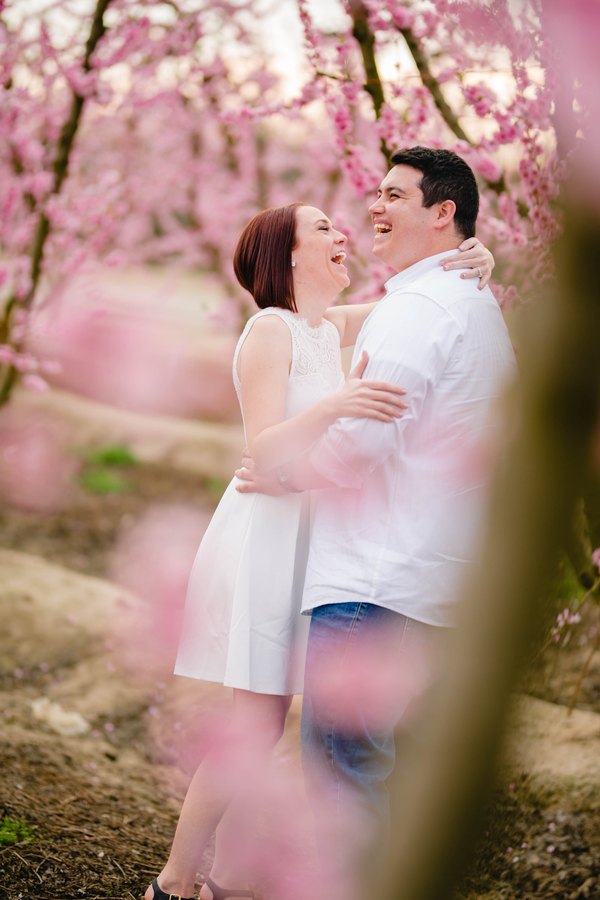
<point>481,97</point>
<point>564,620</point>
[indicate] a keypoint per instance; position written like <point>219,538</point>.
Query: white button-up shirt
<point>402,525</point>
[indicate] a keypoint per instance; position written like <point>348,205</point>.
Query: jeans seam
<point>358,616</point>
<point>332,728</point>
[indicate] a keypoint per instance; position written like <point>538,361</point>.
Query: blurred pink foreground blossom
<point>153,559</point>
<point>573,29</point>
<point>130,357</point>
<point>36,466</point>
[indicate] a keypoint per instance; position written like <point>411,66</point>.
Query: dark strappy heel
<point>159,894</point>
<point>220,893</point>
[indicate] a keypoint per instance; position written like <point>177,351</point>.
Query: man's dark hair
<point>445,177</point>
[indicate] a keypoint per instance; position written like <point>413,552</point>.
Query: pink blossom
<point>488,169</point>
<point>401,16</point>
<point>25,362</point>
<point>35,383</point>
<point>50,366</point>
<point>80,82</point>
<point>481,97</point>
<point>7,354</point>
<point>38,184</point>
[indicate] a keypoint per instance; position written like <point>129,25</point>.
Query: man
<point>393,535</point>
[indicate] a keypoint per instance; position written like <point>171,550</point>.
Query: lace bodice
<point>316,367</point>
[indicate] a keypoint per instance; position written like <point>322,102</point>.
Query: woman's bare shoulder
<point>269,337</point>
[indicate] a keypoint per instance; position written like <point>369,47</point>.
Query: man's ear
<point>445,214</point>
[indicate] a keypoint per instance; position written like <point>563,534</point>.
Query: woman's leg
<point>205,801</point>
<point>256,725</point>
<point>259,722</point>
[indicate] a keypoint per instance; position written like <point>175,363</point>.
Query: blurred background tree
<point>149,132</point>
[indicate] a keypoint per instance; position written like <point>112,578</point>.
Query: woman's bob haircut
<point>263,257</point>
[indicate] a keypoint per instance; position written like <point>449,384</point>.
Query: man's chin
<point>379,251</point>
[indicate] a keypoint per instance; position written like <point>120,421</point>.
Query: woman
<point>242,625</point>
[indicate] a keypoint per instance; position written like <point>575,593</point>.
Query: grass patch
<point>98,480</point>
<point>98,475</point>
<point>116,455</point>
<point>216,488</point>
<point>15,831</point>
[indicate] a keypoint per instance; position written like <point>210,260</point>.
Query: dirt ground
<point>98,808</point>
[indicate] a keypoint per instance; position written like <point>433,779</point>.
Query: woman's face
<point>319,253</point>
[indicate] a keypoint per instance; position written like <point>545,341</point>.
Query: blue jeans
<point>348,764</point>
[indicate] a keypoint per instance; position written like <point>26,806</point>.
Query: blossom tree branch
<point>366,42</point>
<point>364,36</point>
<point>65,145</point>
<point>60,171</point>
<point>432,85</point>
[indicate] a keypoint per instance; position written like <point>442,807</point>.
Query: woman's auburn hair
<point>262,260</point>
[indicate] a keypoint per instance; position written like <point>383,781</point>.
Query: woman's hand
<point>252,481</point>
<point>368,399</point>
<point>473,256</point>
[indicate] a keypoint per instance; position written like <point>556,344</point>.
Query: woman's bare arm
<point>349,319</point>
<point>264,367</point>
<point>472,256</point>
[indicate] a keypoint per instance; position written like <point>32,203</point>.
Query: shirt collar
<point>415,271</point>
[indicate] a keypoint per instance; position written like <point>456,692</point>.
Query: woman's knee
<point>260,718</point>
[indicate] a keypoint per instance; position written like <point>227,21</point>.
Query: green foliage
<point>98,475</point>
<point>216,488</point>
<point>14,831</point>
<point>100,480</point>
<point>116,455</point>
<point>566,590</point>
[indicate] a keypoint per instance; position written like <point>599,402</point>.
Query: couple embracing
<point>355,514</point>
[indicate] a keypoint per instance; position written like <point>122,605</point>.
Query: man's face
<point>403,227</point>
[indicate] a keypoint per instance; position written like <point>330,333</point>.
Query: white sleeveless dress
<point>242,624</point>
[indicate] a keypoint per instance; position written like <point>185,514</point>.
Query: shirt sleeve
<point>410,340</point>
